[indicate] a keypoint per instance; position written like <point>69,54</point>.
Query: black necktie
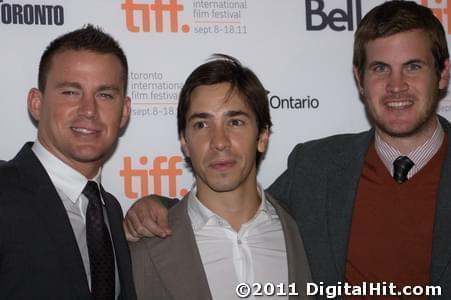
<point>401,166</point>
<point>100,249</point>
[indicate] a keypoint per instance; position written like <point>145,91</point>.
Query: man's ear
<point>263,139</point>
<point>444,76</point>
<point>34,103</point>
<point>358,80</point>
<point>125,112</point>
<point>184,145</point>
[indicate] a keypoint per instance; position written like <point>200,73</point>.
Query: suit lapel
<point>187,261</point>
<point>343,181</point>
<point>441,247</point>
<point>298,266</point>
<point>122,252</point>
<point>47,204</point>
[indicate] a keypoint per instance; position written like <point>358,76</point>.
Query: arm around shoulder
<point>280,189</point>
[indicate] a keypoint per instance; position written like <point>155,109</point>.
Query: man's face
<point>400,84</point>
<point>221,138</point>
<point>82,108</point>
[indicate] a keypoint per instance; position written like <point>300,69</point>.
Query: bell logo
<point>318,17</point>
<point>442,12</point>
<point>147,17</point>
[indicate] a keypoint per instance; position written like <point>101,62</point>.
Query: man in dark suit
<point>60,233</point>
<point>226,231</point>
<point>375,207</point>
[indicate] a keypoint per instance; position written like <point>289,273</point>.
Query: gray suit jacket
<point>319,189</point>
<point>171,268</point>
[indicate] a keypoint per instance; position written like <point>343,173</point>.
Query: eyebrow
<point>68,84</point>
<point>376,63</point>
<point>235,113</point>
<point>202,115</point>
<point>109,88</point>
<point>415,61</point>
<point>77,85</point>
<point>229,113</point>
<point>412,61</point>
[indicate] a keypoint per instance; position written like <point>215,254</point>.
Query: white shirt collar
<point>65,178</point>
<point>420,155</point>
<point>200,215</point>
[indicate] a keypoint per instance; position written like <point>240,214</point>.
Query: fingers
<point>146,218</point>
<point>132,228</point>
<point>161,217</point>
<point>162,221</point>
<point>130,234</point>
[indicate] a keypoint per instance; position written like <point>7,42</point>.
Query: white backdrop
<point>300,49</point>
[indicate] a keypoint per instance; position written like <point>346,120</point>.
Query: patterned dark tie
<point>401,166</point>
<point>100,249</point>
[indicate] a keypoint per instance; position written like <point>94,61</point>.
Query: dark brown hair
<point>223,68</point>
<point>89,38</point>
<point>395,17</point>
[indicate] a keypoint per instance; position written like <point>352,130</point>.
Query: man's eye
<point>379,68</point>
<point>199,125</point>
<point>69,93</point>
<point>236,122</point>
<point>105,96</point>
<point>413,67</point>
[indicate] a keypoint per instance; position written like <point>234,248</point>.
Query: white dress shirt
<point>69,185</point>
<point>256,253</point>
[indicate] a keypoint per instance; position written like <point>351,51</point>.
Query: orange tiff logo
<point>163,167</point>
<point>153,13</point>
<point>441,11</point>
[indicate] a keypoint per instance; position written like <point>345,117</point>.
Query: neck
<point>405,144</point>
<point>87,169</point>
<point>236,207</point>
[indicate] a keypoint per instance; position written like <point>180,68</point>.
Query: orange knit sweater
<point>391,231</point>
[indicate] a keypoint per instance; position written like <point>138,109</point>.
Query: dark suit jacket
<point>39,256</point>
<point>319,188</point>
<point>171,268</point>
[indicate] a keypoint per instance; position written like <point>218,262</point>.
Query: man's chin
<point>88,155</point>
<point>402,130</point>
<point>223,187</point>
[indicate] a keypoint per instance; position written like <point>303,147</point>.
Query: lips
<point>84,130</point>
<point>398,101</point>
<point>222,165</point>
<point>399,104</point>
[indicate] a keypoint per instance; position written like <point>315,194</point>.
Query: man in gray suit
<point>229,238</point>
<point>358,223</point>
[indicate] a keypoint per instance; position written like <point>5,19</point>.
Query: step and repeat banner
<point>300,49</point>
